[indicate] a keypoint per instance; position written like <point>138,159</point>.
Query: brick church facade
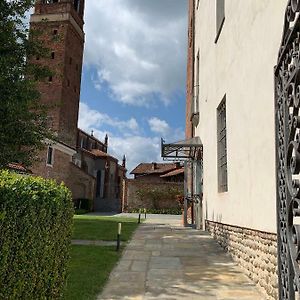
<point>75,157</point>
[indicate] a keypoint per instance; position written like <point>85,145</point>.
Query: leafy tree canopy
<point>23,119</point>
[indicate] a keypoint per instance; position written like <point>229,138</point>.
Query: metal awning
<point>182,150</point>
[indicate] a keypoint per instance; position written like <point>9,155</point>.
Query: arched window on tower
<point>76,5</point>
<point>50,1</point>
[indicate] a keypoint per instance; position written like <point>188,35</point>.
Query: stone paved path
<point>167,261</point>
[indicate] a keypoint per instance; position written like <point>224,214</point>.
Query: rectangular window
<point>77,5</point>
<point>220,17</point>
<point>52,55</point>
<point>50,156</point>
<point>197,83</point>
<point>222,147</point>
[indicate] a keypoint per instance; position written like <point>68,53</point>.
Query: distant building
<point>162,177</point>
<point>158,172</point>
<point>75,157</point>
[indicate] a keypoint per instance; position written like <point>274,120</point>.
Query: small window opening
<point>50,156</point>
<point>55,31</point>
<point>76,5</point>
<point>52,55</point>
<point>50,78</point>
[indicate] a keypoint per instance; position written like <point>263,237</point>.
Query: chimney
<point>124,161</point>
<point>106,140</point>
<point>154,165</point>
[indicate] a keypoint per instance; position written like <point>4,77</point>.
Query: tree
<point>23,119</point>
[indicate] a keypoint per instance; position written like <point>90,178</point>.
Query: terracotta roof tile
<point>154,168</point>
<point>18,167</point>
<point>99,153</point>
<point>173,173</point>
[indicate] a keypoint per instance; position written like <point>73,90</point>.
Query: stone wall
<point>255,252</point>
<point>133,201</point>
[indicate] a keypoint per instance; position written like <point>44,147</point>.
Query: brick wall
<point>65,41</point>
<point>133,200</point>
<point>81,184</point>
<point>190,71</point>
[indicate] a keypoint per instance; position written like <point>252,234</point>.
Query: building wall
<point>80,183</point>
<point>133,201</point>
<point>240,65</point>
<point>150,178</point>
<point>190,75</point>
<point>63,36</point>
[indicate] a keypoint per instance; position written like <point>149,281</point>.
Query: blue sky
<point>134,73</point>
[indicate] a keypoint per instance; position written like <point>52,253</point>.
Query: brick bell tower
<point>60,25</point>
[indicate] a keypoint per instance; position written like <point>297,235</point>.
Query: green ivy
<point>35,232</point>
<point>156,195</point>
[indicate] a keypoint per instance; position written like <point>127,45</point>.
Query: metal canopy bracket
<point>182,150</point>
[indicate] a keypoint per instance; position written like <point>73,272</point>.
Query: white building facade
<point>236,44</point>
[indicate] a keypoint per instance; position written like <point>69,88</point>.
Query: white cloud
<point>90,119</point>
<point>159,126</point>
<point>128,140</point>
<point>138,47</point>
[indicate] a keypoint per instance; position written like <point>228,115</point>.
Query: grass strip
<point>89,269</point>
<point>88,227</point>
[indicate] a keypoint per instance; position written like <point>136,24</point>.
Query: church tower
<point>60,24</point>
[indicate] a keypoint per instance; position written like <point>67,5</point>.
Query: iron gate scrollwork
<point>287,120</point>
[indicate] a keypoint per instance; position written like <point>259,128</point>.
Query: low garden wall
<point>155,197</point>
<point>36,218</point>
<point>255,252</point>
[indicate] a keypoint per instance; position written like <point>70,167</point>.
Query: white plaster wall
<point>240,65</point>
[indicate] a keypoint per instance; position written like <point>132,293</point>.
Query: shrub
<point>80,211</point>
<point>35,232</point>
<point>82,203</point>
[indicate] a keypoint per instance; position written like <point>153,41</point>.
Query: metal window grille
<point>222,146</point>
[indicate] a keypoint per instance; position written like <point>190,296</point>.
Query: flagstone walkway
<point>166,261</point>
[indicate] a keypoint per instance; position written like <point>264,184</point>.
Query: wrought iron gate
<point>287,120</point>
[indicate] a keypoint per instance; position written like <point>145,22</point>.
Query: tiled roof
<point>153,168</point>
<point>173,173</point>
<point>99,153</point>
<point>18,167</point>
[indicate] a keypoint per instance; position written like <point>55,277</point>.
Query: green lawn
<point>89,269</point>
<point>90,266</point>
<point>102,228</point>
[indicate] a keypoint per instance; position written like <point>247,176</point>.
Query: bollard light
<point>119,236</point>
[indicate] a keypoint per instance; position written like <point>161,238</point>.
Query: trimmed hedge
<point>35,231</point>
